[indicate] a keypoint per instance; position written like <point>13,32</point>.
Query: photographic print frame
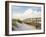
<point>7,16</point>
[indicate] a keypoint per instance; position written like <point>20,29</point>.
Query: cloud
<point>17,16</point>
<point>31,14</point>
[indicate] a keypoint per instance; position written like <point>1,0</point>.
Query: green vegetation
<point>19,21</point>
<point>28,21</point>
<point>15,20</point>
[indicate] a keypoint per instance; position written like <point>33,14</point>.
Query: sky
<point>24,11</point>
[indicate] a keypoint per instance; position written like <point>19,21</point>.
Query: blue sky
<point>22,9</point>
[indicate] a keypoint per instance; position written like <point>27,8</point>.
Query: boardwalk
<point>22,26</point>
